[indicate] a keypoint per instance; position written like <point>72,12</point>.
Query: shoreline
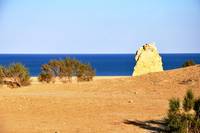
<point>95,77</point>
<point>34,79</point>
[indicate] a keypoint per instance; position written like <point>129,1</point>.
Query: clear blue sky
<point>99,26</point>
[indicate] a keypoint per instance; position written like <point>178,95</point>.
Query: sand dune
<point>105,105</point>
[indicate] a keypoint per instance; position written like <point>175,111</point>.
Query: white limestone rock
<point>147,60</point>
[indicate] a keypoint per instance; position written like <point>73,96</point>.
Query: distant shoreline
<point>95,77</point>
<point>34,79</point>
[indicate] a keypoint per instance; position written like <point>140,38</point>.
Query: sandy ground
<point>105,105</point>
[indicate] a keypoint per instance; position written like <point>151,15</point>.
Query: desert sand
<point>105,105</point>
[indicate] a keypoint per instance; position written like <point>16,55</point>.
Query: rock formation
<point>147,60</point>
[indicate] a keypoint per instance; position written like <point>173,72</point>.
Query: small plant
<point>189,63</point>
<point>174,105</point>
<point>188,102</point>
<point>197,108</point>
<point>184,121</point>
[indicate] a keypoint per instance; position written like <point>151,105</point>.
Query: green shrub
<point>188,102</point>
<point>189,63</point>
<point>178,121</point>
<point>173,122</point>
<point>195,126</point>
<point>197,108</point>
<point>174,105</point>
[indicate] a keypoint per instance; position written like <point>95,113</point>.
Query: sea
<point>104,64</point>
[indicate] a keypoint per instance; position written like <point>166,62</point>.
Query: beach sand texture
<point>100,106</point>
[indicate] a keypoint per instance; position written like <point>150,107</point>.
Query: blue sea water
<point>104,64</point>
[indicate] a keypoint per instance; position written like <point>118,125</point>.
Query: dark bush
<point>195,126</point>
<point>188,102</point>
<point>175,123</point>
<point>197,108</point>
<point>174,105</point>
<point>189,63</point>
<point>65,69</point>
<point>184,121</point>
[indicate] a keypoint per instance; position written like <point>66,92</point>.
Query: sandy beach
<point>100,106</point>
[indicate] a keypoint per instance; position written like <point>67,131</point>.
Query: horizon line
<point>92,53</point>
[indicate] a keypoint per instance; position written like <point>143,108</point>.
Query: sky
<point>99,26</point>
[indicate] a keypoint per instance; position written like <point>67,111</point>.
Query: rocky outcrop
<point>147,60</point>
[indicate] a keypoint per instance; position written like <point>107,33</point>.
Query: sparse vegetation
<point>85,72</point>
<point>45,77</point>
<point>185,120</point>
<point>188,101</point>
<point>189,63</point>
<point>174,105</point>
<point>197,108</point>
<point>64,70</point>
<point>15,75</point>
<point>1,74</point>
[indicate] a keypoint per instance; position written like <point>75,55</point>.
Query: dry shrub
<point>189,63</point>
<point>15,75</point>
<point>64,70</point>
